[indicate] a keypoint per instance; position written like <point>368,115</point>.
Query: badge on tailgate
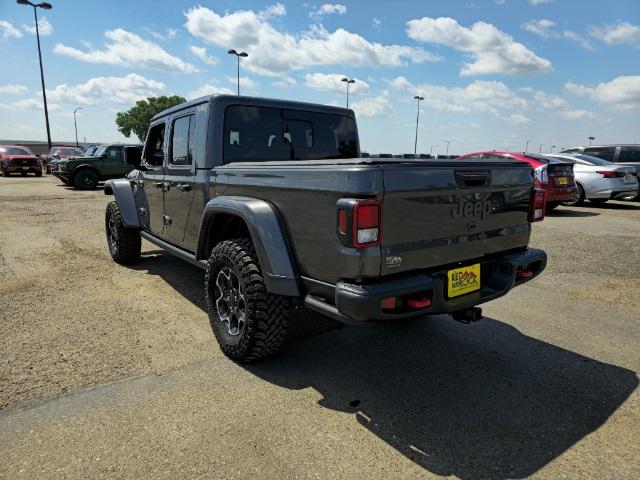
<point>463,280</point>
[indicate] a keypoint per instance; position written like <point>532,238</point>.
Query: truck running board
<point>173,250</point>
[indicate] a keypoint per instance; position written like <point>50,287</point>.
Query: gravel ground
<point>108,371</point>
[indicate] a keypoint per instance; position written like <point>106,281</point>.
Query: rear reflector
<point>538,205</point>
<point>419,303</point>
<point>522,274</point>
<point>342,221</point>
<point>388,303</point>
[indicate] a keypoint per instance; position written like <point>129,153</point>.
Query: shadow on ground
<point>476,401</point>
<point>571,212</point>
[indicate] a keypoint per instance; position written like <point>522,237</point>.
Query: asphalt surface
<point>109,371</point>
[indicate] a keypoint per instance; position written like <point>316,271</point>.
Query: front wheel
<point>86,179</point>
<point>124,243</point>
<point>249,322</point>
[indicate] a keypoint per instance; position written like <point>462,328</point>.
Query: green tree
<point>138,117</point>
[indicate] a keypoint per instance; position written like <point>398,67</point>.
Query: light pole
<point>415,145</point>
<point>44,6</point>
<point>431,149</point>
<point>75,125</point>
<point>447,142</point>
<point>552,147</point>
<point>526,147</point>
<point>540,149</point>
<point>348,81</point>
<point>591,139</point>
<point>238,55</point>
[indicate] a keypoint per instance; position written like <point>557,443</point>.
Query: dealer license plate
<point>25,168</point>
<point>562,181</point>
<point>628,177</point>
<point>463,280</point>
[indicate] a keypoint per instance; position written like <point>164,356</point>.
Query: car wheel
<point>124,243</point>
<point>85,179</point>
<point>249,322</point>
<point>579,198</point>
<point>598,202</point>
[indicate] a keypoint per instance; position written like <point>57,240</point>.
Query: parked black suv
<point>271,199</point>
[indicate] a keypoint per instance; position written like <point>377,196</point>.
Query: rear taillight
<point>610,174</point>
<point>538,205</point>
<point>542,175</point>
<point>359,222</point>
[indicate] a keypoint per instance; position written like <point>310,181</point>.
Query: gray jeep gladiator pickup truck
<point>273,201</point>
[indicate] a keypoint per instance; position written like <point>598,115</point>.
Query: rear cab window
<point>269,134</point>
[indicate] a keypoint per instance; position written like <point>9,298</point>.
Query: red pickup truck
<point>16,159</point>
<point>553,176</point>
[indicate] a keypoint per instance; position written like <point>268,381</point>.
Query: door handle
<point>184,187</point>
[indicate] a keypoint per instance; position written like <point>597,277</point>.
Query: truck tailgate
<point>443,212</point>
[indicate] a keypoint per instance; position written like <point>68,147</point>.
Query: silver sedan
<point>599,180</point>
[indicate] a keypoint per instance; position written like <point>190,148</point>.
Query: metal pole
<point>238,57</point>
<point>415,144</point>
<point>526,147</point>
<point>347,94</point>
<point>44,94</point>
<point>75,125</point>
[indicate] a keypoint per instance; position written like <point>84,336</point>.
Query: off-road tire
<point>579,199</point>
<point>85,179</point>
<point>267,315</point>
<point>126,245</point>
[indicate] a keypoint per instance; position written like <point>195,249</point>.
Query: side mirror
<point>133,156</point>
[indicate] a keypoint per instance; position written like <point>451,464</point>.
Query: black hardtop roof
<point>226,100</point>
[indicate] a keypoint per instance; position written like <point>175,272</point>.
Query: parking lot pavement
<point>113,371</point>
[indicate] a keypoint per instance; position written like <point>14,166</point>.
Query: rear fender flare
<point>267,236</point>
<point>122,189</point>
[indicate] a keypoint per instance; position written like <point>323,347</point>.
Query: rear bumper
<point>564,194</point>
<point>361,303</point>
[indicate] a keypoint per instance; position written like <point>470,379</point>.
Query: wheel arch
<point>123,193</point>
<point>232,217</point>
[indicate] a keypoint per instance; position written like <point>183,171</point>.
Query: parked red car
<point>60,153</point>
<point>553,176</point>
<point>17,159</point>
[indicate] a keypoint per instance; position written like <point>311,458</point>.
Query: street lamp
<point>238,55</point>
<point>526,147</point>
<point>75,125</point>
<point>591,139</point>
<point>348,81</point>
<point>44,6</point>
<point>415,145</point>
<point>540,149</point>
<point>447,142</point>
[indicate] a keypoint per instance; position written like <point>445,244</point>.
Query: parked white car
<point>599,180</point>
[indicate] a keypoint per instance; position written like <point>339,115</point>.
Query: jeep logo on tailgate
<point>467,209</point>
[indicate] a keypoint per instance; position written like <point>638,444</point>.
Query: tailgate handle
<point>475,178</point>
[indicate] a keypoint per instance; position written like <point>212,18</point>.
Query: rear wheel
<point>249,322</point>
<point>124,243</point>
<point>598,202</point>
<point>85,179</point>
<point>579,199</point>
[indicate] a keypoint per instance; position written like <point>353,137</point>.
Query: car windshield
<point>99,151</point>
<point>593,160</point>
<point>15,151</point>
<point>66,151</point>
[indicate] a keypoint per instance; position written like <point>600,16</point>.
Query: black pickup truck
<point>272,200</point>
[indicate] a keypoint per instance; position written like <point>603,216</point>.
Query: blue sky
<point>494,73</point>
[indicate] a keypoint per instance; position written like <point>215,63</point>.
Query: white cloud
<point>478,96</point>
<point>201,53</point>
<point>244,81</point>
<point>579,39</point>
<point>499,2</point>
<point>30,104</point>
<point>577,115</point>
<point>209,89</point>
<point>329,9</point>
<point>285,82</point>
<point>539,2</point>
<point>172,33</point>
<point>271,11</point>
<point>493,51</point>
<point>13,89</point>
<point>519,119</point>
<point>621,93</point>
<point>128,50</point>
<point>621,33</point>
<point>373,107</point>
<point>542,27</point>
<point>332,82</point>
<point>550,102</point>
<point>8,30</point>
<point>128,89</point>
<point>44,27</point>
<point>273,52</point>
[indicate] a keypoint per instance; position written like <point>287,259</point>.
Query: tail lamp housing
<point>359,222</point>
<point>610,173</point>
<point>538,205</point>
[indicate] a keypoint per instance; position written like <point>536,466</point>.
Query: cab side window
<point>605,153</point>
<point>114,154</point>
<point>182,141</point>
<point>630,155</point>
<point>154,147</point>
